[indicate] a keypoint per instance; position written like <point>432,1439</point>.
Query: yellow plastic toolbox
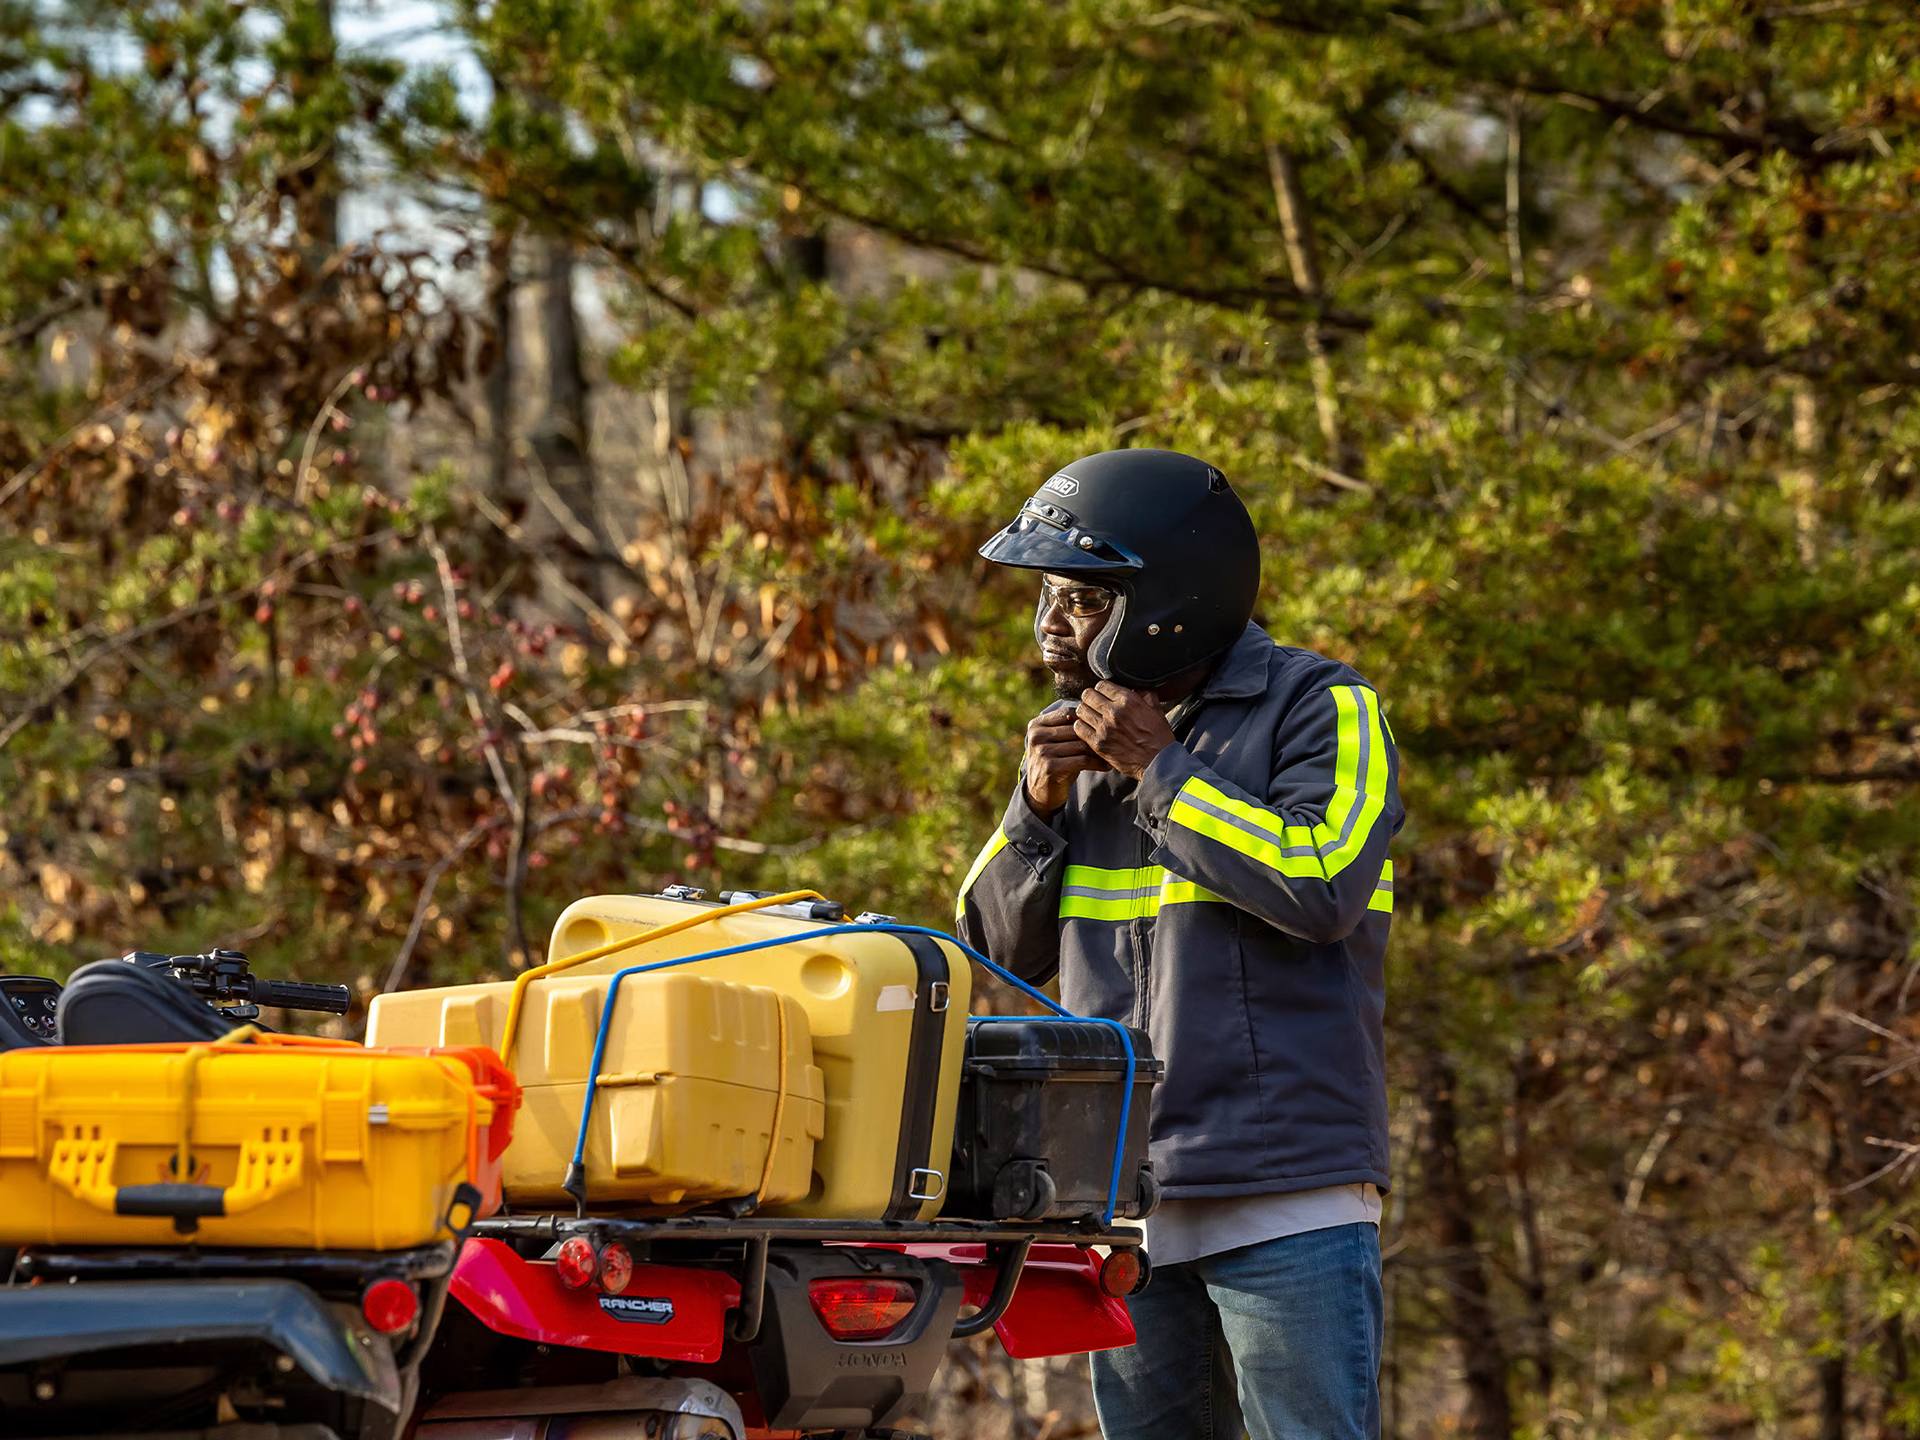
<point>324,1147</point>
<point>888,1015</point>
<point>690,1087</point>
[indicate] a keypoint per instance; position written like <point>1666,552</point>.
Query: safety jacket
<point>1234,903</point>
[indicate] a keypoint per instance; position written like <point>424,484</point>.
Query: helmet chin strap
<point>1100,652</point>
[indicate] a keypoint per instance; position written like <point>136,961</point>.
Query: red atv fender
<point>679,1313</point>
<point>670,1311</point>
<point>1059,1308</point>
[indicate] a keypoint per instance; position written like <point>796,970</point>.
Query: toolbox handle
<point>517,1000</point>
<point>187,1204</point>
<point>267,1169</point>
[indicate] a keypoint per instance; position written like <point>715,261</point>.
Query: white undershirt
<point>1184,1230</point>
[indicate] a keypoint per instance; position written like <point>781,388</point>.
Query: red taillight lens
<point>1120,1273</point>
<point>576,1262</point>
<point>859,1307</point>
<point>390,1306</point>
<point>616,1268</point>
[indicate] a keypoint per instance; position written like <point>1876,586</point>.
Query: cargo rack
<point>322,1269</point>
<point>1007,1243</point>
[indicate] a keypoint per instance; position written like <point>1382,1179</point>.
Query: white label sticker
<point>895,997</point>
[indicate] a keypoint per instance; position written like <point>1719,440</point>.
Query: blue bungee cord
<point>575,1183</point>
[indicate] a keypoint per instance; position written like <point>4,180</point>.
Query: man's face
<point>1075,613</point>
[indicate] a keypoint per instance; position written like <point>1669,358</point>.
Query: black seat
<point>116,1002</point>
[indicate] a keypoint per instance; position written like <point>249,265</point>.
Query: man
<point>1198,847</point>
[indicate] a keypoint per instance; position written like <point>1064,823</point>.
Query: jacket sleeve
<point>1309,856</point>
<point>1009,905</point>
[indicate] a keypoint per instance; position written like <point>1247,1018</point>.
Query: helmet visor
<point>1039,540</point>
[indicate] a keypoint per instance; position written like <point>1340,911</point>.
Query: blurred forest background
<point>457,457</point>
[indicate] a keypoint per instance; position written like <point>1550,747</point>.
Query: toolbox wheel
<point>1148,1194</point>
<point>1043,1197</point>
<point>1023,1190</point>
<point>1044,1192</point>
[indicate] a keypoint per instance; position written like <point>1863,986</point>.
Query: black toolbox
<point>1039,1113</point>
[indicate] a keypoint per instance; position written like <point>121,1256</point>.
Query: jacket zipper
<point>1142,950</point>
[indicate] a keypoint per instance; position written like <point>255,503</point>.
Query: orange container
<point>494,1083</point>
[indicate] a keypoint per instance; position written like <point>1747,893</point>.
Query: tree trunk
<point>317,188</point>
<point>1489,1408</point>
<point>499,376</point>
<point>1894,1347</point>
<point>1833,1398</point>
<point>1526,1236</point>
<point>326,197</point>
<point>561,442</point>
<point>1516,252</point>
<point>1516,258</point>
<point>1303,260</point>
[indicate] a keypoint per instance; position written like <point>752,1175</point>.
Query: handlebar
<point>222,979</point>
<point>296,995</point>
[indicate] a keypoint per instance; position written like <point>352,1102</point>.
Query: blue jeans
<point>1300,1317</point>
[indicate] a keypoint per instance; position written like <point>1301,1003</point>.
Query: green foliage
<point>1608,482</point>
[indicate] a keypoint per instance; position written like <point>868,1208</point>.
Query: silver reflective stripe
<point>1088,892</point>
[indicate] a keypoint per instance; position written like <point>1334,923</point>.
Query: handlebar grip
<point>294,995</point>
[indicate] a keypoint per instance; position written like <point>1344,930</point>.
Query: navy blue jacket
<point>1235,904</point>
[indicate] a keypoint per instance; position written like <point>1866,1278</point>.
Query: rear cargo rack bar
<point>996,1233</point>
<point>1012,1260</point>
<point>744,1324</point>
<point>322,1269</point>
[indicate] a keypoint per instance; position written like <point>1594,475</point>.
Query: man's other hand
<point>1126,728</point>
<point>1055,754</point>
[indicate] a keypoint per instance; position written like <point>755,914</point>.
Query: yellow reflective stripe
<point>992,848</point>
<point>1185,892</point>
<point>1092,893</point>
<point>1383,891</point>
<point>1099,878</point>
<point>1087,907</point>
<point>1319,851</point>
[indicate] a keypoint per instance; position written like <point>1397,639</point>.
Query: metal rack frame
<point>1083,1233</point>
<point>1007,1245</point>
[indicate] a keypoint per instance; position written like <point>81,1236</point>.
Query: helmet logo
<point>1062,485</point>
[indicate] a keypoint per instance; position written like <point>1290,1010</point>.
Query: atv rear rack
<point>1006,1242</point>
<point>644,1230</point>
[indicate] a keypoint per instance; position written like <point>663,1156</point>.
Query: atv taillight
<point>861,1307</point>
<point>1120,1274</point>
<point>390,1306</point>
<point>576,1262</point>
<point>616,1268</point>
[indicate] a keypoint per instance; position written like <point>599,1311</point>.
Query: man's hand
<point>1126,728</point>
<point>1055,754</point>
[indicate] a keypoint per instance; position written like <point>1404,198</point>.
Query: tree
<point>1564,355</point>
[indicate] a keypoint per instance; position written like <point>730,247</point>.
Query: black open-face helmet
<point>1168,534</point>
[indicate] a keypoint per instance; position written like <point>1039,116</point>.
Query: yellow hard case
<point>687,1092</point>
<point>888,1014</point>
<point>887,1018</point>
<point>324,1148</point>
